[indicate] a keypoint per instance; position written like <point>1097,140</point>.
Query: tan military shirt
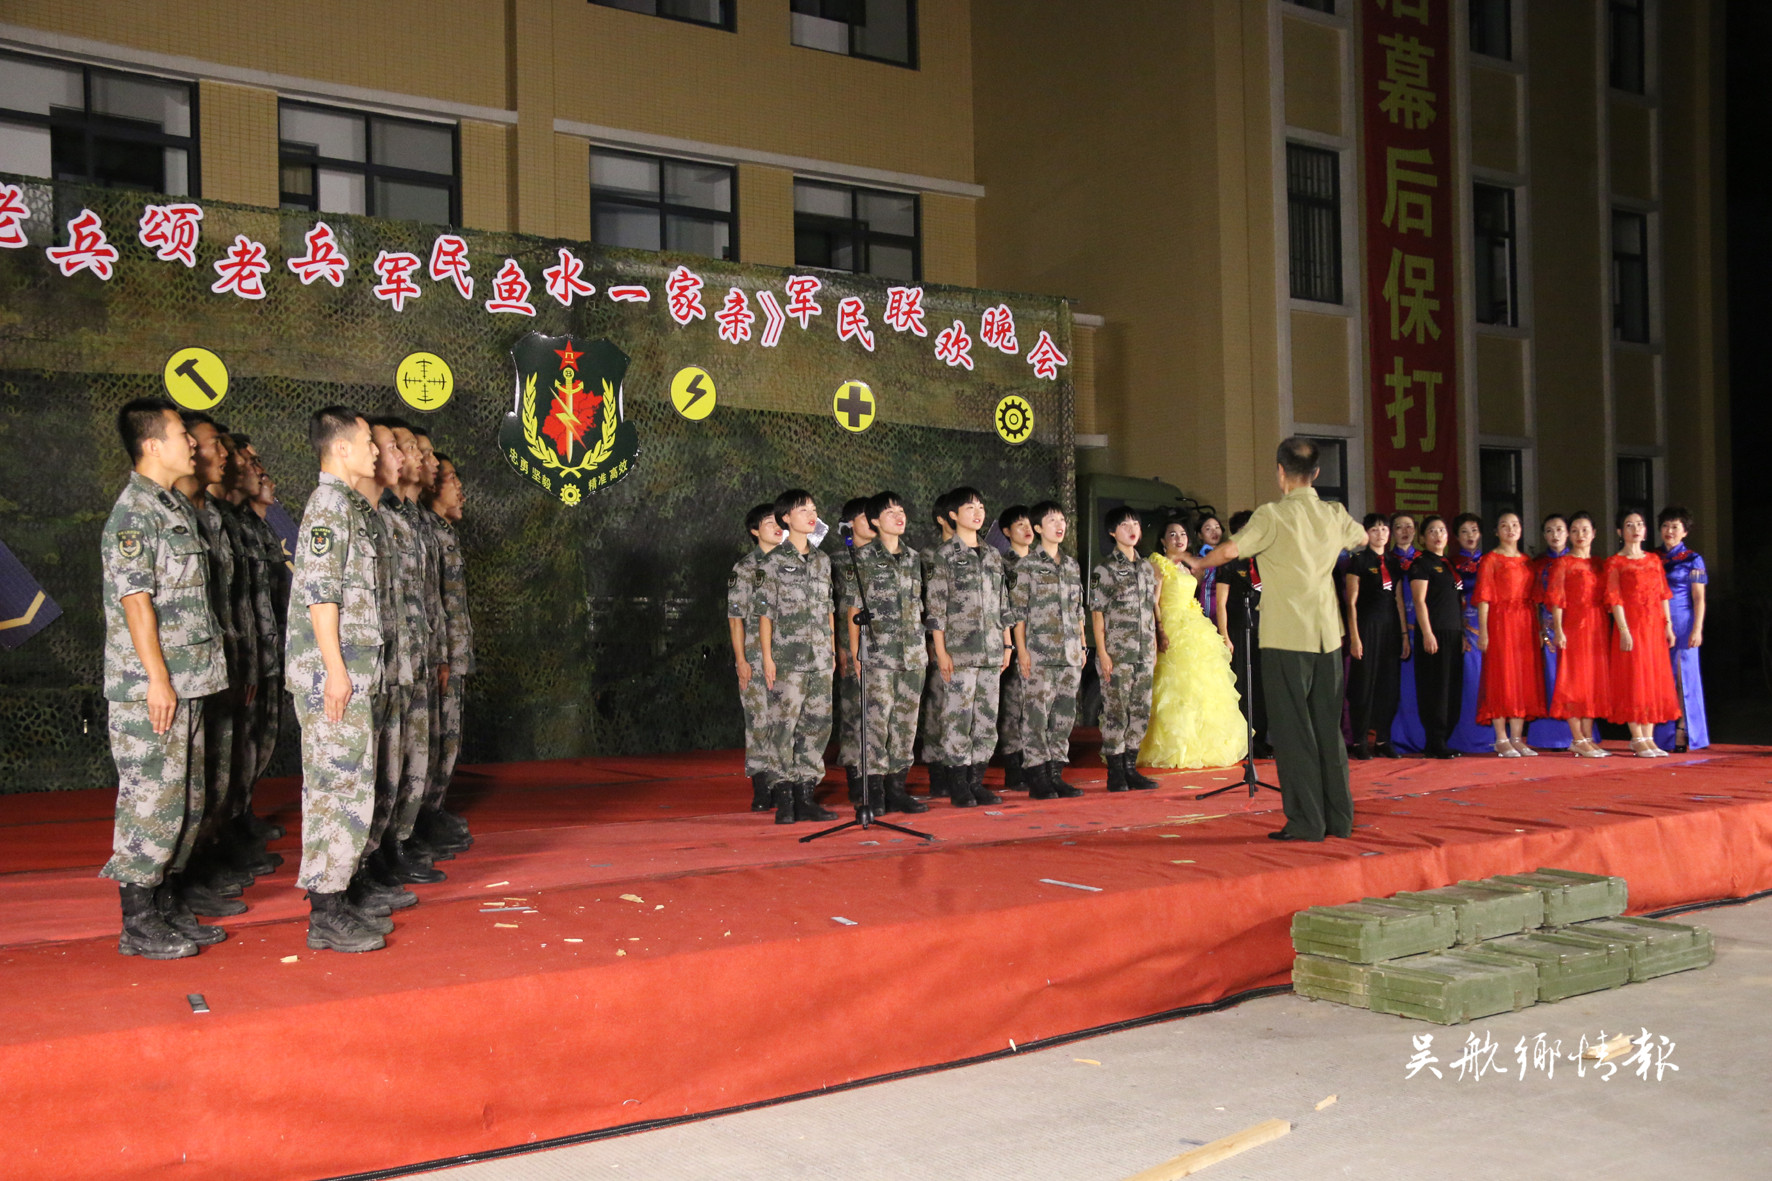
<point>1298,539</point>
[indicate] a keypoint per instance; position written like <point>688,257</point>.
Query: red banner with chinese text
<point>1410,281</point>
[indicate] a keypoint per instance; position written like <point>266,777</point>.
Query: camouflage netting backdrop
<point>600,629</point>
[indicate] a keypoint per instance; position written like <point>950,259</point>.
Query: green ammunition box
<point>1450,988</point>
<point>1330,980</point>
<point>1570,897</point>
<point>1567,966</point>
<point>1365,932</point>
<point>1482,912</point>
<point>1656,948</point>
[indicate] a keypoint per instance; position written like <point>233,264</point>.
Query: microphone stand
<point>1250,779</point>
<point>864,622</point>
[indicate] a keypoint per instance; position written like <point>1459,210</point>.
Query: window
<point>97,127</point>
<point>1492,28</point>
<point>717,13</point>
<point>866,231</point>
<point>334,161</point>
<point>1331,468</point>
<point>1316,5</point>
<point>1636,489</point>
<point>1313,219</point>
<point>1493,218</point>
<point>1624,34</point>
<point>1501,488</point>
<point>651,203</point>
<point>880,30</point>
<point>1630,276</point>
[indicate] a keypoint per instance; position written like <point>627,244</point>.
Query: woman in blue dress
<point>1549,733</point>
<point>1686,578</point>
<point>1407,732</point>
<point>1468,737</point>
<point>1208,532</point>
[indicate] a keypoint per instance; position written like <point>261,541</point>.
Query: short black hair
<point>1401,515</point>
<point>1549,517</point>
<point>1429,520</point>
<point>142,419</point>
<point>1376,519</point>
<point>938,512</point>
<point>1623,513</point>
<point>753,520</point>
<point>1012,514</point>
<point>1462,519</point>
<point>242,440</point>
<point>1581,515</point>
<point>1239,519</point>
<point>1200,523</point>
<point>1510,512</point>
<point>326,424</point>
<point>1042,509</point>
<point>1674,512</point>
<point>787,502</point>
<point>193,417</point>
<point>395,423</point>
<point>879,502</point>
<point>1117,516</point>
<point>420,431</point>
<point>442,458</point>
<point>959,498</point>
<point>854,507</point>
<point>1298,456</point>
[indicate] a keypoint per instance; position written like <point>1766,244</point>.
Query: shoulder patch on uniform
<point>129,543</point>
<point>321,541</point>
<point>732,579</point>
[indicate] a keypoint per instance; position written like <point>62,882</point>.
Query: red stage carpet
<point>661,952</point>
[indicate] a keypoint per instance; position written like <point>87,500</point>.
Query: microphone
<point>847,532</point>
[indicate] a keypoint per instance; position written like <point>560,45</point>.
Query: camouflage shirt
<point>388,597</point>
<point>459,626</point>
<point>240,596</point>
<point>1125,592</point>
<point>412,627</point>
<point>795,596</point>
<point>275,592</point>
<point>260,559</point>
<point>894,591</point>
<point>968,601</point>
<point>221,578</point>
<point>1048,596</point>
<point>742,587</point>
<point>430,587</point>
<point>335,562</point>
<point>150,545</point>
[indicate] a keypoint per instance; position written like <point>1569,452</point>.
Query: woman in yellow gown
<point>1195,721</point>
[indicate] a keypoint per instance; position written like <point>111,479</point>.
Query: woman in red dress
<point>1512,687</point>
<point>1642,676</point>
<point>1578,618</point>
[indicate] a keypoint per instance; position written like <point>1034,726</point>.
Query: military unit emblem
<point>321,542</point>
<point>129,543</point>
<point>564,432</point>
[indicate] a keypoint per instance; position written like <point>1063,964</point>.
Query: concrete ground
<point>1111,1106</point>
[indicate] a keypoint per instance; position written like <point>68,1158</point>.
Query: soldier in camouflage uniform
<point>934,702</point>
<point>1123,613</point>
<point>446,507</point>
<point>162,658</point>
<point>333,665</point>
<point>855,517</point>
<point>796,641</point>
<point>1047,599</point>
<point>1019,531</point>
<point>967,613</point>
<point>440,838</point>
<point>741,625</point>
<point>269,719</point>
<point>887,579</point>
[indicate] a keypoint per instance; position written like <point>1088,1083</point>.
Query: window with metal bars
<point>1313,217</point>
<point>1492,210</point>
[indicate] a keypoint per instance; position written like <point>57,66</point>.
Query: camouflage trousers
<point>754,699</point>
<point>798,725</point>
<point>448,742</point>
<point>1125,708</point>
<point>415,755</point>
<point>848,718</point>
<point>388,715</point>
<point>269,725</point>
<point>218,761</point>
<point>338,790</point>
<point>969,716</point>
<point>893,698</point>
<point>1011,714</point>
<point>932,718</point>
<point>243,758</point>
<point>1050,712</point>
<point>159,792</point>
<point>433,738</point>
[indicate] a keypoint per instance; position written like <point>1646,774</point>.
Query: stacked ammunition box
<point>1475,949</point>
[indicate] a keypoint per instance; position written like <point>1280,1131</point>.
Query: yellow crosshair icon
<point>854,406</point>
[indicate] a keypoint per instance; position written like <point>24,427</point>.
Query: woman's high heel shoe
<point>1585,748</point>
<point>1505,749</point>
<point>1520,747</point>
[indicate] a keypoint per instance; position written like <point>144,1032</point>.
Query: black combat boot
<point>808,808</point>
<point>1060,789</point>
<point>1039,782</point>
<point>361,902</point>
<point>419,848</point>
<point>877,794</point>
<point>853,777</point>
<point>1013,772</point>
<point>980,793</point>
<point>169,901</point>
<point>1135,779</point>
<point>145,930</point>
<point>762,796</point>
<point>202,897</point>
<point>959,780</point>
<point>1116,765</point>
<point>332,925</point>
<point>396,895</point>
<point>439,836</point>
<point>900,800</point>
<point>938,781</point>
<point>408,864</point>
<point>783,791</point>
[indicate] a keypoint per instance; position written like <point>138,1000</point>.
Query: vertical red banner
<point>1406,102</point>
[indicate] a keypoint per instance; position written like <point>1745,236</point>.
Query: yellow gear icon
<point>1015,419</point>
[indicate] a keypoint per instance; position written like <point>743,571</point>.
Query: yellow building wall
<point>1495,119</point>
<point>237,143</point>
<point>1501,385</point>
<point>766,215</point>
<point>485,175</point>
<point>1313,58</point>
<point>950,240</point>
<point>1320,369</point>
